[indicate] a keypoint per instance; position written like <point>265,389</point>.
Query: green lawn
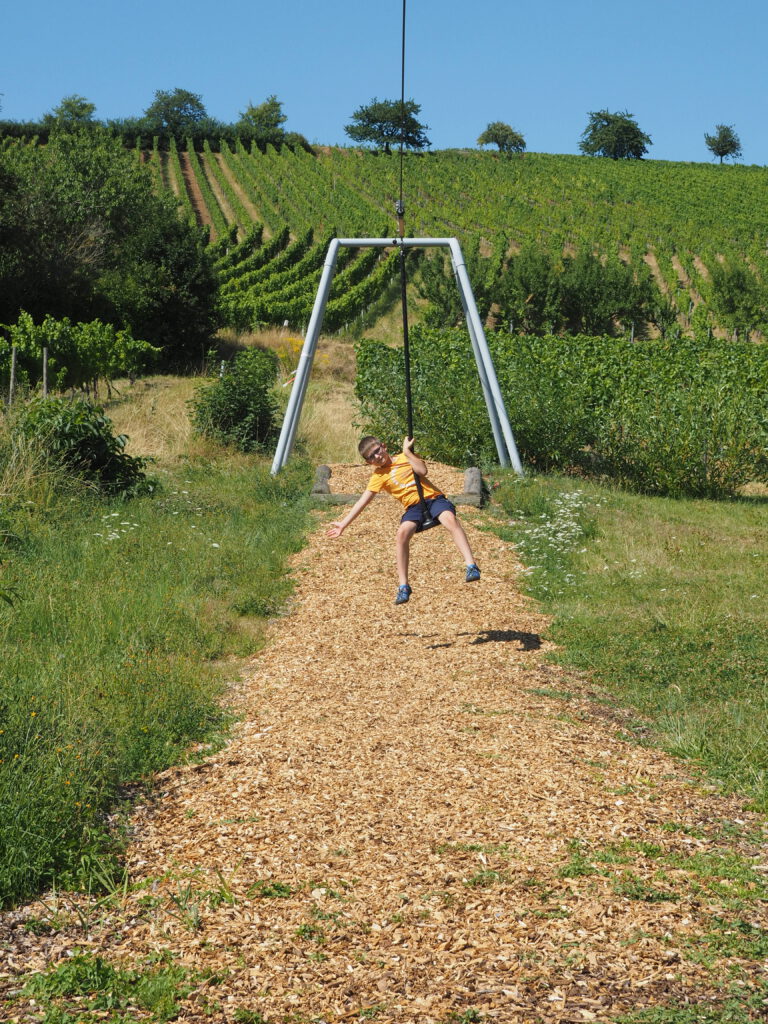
<point>662,602</point>
<point>127,620</point>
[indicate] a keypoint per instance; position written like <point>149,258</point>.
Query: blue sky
<point>680,66</point>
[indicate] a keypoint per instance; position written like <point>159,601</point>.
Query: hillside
<point>685,221</point>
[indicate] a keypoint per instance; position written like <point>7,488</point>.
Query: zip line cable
<point>427,521</point>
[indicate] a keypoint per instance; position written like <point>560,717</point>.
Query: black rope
<point>427,521</point>
<point>401,205</point>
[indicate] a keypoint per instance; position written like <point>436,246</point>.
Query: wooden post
<point>12,384</point>
<point>45,371</point>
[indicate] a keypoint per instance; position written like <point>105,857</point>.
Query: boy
<point>397,477</point>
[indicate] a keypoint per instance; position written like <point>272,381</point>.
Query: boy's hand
<point>335,530</point>
<point>408,446</point>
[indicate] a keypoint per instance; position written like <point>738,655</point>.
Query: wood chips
<point>418,819</point>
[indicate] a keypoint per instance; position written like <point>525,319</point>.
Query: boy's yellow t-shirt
<point>398,480</point>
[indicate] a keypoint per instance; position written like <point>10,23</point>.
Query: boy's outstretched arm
<point>336,529</point>
<point>418,465</point>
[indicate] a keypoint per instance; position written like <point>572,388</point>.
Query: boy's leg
<point>403,540</point>
<point>456,530</point>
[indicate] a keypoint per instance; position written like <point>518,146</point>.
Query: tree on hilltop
<point>504,136</point>
<point>725,142</point>
<point>615,135</point>
<point>73,112</point>
<point>175,112</point>
<point>388,122</point>
<point>263,123</point>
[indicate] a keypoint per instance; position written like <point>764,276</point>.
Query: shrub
<point>239,408</point>
<point>548,408</point>
<point>442,371</point>
<point>78,436</point>
<point>684,417</point>
<point>79,354</point>
<point>693,424</point>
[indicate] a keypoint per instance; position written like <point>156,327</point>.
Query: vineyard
<point>697,231</point>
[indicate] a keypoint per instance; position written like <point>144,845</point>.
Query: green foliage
<point>581,294</point>
<point>175,111</point>
<point>744,1009</point>
<point>79,355</point>
<point>262,124</point>
<point>687,418</point>
<point>73,112</point>
<point>504,136</point>
<point>724,142</point>
<point>684,417</point>
<point>616,135</point>
<point>539,292</point>
<point>595,296</point>
<point>699,438</point>
<point>239,408</point>
<point>551,417</point>
<point>441,369</point>
<point>737,297</point>
<point>86,237</point>
<point>528,293</point>
<point>80,437</point>
<point>436,282</point>
<point>388,122</point>
<point>89,984</point>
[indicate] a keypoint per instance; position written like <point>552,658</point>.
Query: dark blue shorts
<point>415,514</point>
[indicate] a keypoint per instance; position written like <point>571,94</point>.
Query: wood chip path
<point>418,819</point>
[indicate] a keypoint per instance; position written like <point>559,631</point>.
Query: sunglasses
<point>375,452</point>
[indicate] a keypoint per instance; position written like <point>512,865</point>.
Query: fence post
<point>12,385</point>
<point>45,371</point>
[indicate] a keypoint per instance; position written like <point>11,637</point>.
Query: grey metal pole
<point>493,383</point>
<point>299,389</point>
<point>490,405</point>
<point>502,431</point>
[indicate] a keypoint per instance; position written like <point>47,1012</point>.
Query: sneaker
<point>403,593</point>
<point>473,573</point>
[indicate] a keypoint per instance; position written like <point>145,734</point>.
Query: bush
<point>450,418</point>
<point>86,235</point>
<point>548,409</point>
<point>691,422</point>
<point>682,417</point>
<point>239,408</point>
<point>79,355</point>
<point>78,436</point>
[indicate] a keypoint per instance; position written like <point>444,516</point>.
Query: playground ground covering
<point>419,818</point>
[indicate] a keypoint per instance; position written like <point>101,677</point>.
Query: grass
<point>742,1006</point>
<point>661,602</point>
<point>91,988</point>
<point>126,622</point>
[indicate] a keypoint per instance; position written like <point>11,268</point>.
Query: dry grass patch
<point>327,430</point>
<point>153,413</point>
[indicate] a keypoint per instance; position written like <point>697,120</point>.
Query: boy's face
<point>376,454</point>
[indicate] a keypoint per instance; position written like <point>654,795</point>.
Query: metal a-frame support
<point>497,414</point>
